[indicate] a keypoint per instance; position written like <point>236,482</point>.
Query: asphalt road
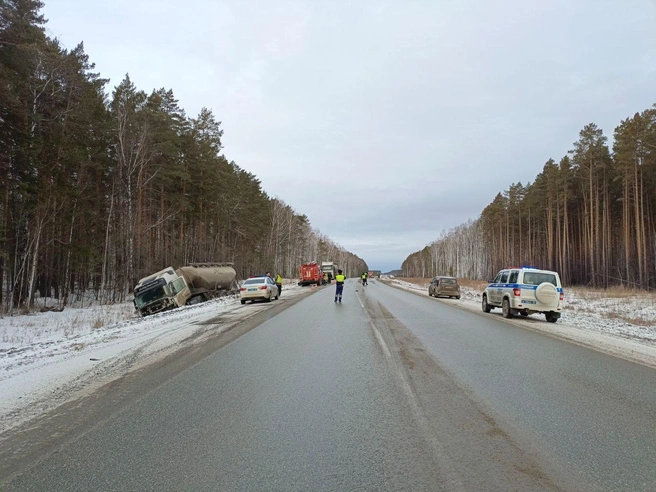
<point>387,391</point>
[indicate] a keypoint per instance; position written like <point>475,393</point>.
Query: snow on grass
<point>627,314</point>
<point>43,327</point>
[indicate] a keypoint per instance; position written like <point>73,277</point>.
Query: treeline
<point>100,191</point>
<point>591,216</point>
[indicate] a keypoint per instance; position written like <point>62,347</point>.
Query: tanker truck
<point>197,282</point>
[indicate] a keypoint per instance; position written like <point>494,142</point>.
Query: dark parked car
<point>444,286</point>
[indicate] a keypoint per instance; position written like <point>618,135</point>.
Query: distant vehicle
<point>170,289</point>
<point>525,291</point>
<point>330,269</point>
<point>310,274</point>
<point>444,286</point>
<point>258,288</point>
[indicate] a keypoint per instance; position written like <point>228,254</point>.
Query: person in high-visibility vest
<point>279,284</point>
<point>339,280</point>
<point>364,278</point>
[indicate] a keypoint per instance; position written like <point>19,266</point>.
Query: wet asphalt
<point>311,400</point>
<point>304,402</point>
<point>593,413</point>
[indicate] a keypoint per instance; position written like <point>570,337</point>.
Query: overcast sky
<point>384,122</point>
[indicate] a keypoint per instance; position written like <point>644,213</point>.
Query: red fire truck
<point>310,273</point>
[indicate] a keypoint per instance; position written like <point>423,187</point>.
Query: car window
<point>513,277</point>
<point>536,278</point>
<point>498,278</point>
<point>504,278</point>
<point>251,281</point>
<point>448,281</point>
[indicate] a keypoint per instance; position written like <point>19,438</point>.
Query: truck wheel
<point>551,317</point>
<point>505,307</point>
<point>486,307</point>
<point>243,302</point>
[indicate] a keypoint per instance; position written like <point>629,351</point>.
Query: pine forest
<point>591,216</point>
<point>101,188</point>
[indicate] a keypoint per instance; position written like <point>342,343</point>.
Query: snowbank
<point>49,358</point>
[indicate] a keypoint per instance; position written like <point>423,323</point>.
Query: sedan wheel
<point>505,307</point>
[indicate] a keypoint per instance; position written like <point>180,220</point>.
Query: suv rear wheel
<point>505,308</point>
<point>486,307</point>
<point>551,317</point>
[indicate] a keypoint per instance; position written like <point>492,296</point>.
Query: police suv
<point>525,291</point>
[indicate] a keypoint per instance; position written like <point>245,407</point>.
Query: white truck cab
<point>161,291</point>
<point>525,291</point>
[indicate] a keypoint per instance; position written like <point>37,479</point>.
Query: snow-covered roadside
<point>589,318</point>
<point>49,358</point>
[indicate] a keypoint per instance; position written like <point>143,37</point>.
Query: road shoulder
<point>630,350</point>
<point>30,442</point>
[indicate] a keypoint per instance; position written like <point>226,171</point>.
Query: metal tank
<point>209,277</point>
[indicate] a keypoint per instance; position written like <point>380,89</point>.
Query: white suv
<point>525,291</point>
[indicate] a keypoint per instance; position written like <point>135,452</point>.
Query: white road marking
<point>381,341</point>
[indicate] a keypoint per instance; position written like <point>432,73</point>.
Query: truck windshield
<point>149,296</point>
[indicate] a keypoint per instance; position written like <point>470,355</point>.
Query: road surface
<point>386,391</point>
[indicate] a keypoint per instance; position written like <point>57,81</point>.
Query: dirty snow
<point>49,358</point>
<point>622,325</point>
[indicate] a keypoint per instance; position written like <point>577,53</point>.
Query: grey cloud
<point>385,122</point>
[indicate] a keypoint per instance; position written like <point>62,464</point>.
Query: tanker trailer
<point>169,289</point>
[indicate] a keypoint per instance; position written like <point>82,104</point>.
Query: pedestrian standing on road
<point>279,284</point>
<point>339,280</point>
<point>364,279</point>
